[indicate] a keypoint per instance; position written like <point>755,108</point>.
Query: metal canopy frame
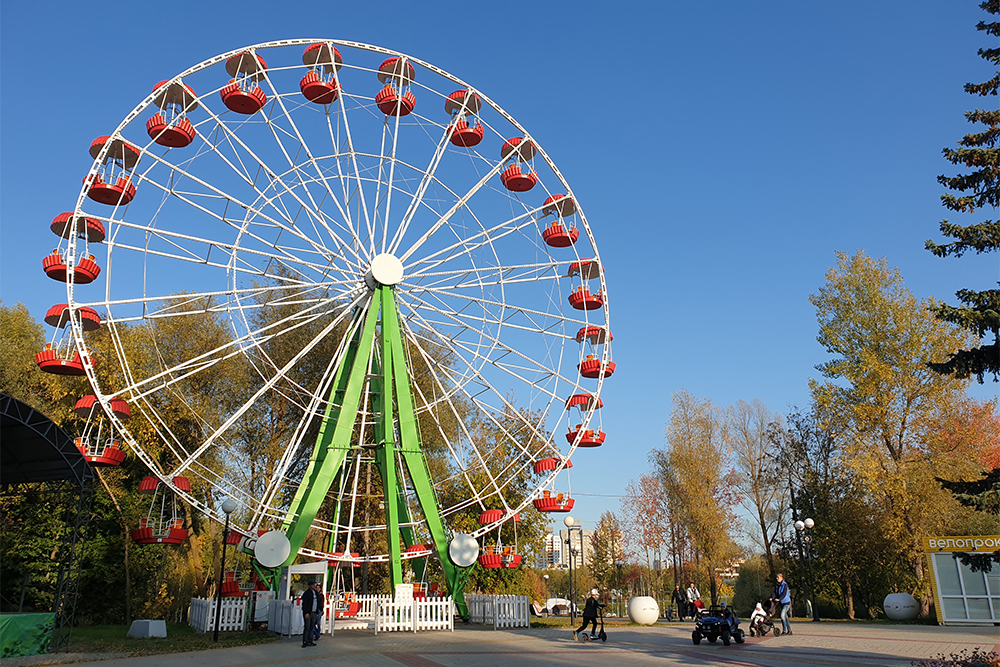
<point>38,457</point>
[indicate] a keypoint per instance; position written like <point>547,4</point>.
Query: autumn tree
<point>878,386</point>
<point>606,548</point>
<point>758,479</point>
<point>693,468</point>
<point>979,312</point>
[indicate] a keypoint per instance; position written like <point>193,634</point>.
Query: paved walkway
<point>820,644</point>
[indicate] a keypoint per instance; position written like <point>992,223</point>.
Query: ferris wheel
<point>344,288</point>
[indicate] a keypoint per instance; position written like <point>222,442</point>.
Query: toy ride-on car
<point>717,622</point>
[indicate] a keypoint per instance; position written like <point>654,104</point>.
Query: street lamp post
<point>570,525</point>
<point>803,530</point>
<point>621,602</point>
<point>228,506</point>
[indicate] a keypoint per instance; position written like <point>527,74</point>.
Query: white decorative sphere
<point>799,525</point>
<point>229,505</point>
<point>569,521</point>
<point>809,523</point>
<point>900,606</point>
<point>643,610</point>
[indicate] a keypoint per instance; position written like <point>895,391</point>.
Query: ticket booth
<point>962,595</point>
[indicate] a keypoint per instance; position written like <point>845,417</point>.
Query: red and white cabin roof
<point>62,227</point>
<point>398,70</point>
<point>58,316</point>
<point>464,101</point>
<point>587,269</point>
<point>596,335</point>
<point>89,406</point>
<point>175,92</point>
<point>584,401</point>
<point>324,55</point>
<point>246,63</point>
<point>524,149</point>
<point>118,149</point>
<point>560,204</point>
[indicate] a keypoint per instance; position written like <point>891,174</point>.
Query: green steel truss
<point>377,338</point>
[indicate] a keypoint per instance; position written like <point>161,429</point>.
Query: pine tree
<point>978,151</point>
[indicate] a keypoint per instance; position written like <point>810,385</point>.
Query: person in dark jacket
<point>312,611</point>
<point>680,602</point>
<point>589,616</point>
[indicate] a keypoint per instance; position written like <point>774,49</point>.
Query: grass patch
<point>180,638</point>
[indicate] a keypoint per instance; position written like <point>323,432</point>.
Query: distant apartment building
<point>557,549</point>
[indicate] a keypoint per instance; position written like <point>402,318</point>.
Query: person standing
<point>589,616</point>
<point>312,609</point>
<point>680,602</point>
<point>693,596</point>
<point>783,598</point>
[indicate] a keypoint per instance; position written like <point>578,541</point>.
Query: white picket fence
<point>500,611</point>
<point>415,615</point>
<point>369,603</point>
<point>233,615</point>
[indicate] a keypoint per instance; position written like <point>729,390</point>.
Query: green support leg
<point>337,430</point>
<point>413,455</point>
<point>334,439</point>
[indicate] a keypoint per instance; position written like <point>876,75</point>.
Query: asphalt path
<point>824,644</point>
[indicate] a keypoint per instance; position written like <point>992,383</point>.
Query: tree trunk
<point>848,598</point>
<point>126,539</point>
<point>713,584</point>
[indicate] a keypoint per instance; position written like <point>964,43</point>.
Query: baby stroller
<point>761,625</point>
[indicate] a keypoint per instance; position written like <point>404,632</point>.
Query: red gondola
<point>98,443</point>
<point>163,524</point>
<point>560,234</point>
<point>556,503</point>
<point>520,176</point>
<point>497,555</point>
<point>86,228</point>
<point>112,184</point>
<point>60,356</point>
<point>170,126</point>
<point>545,465</point>
<point>464,106</point>
<point>589,438</point>
<point>242,94</point>
<point>85,271</point>
<point>396,99</point>
<point>582,299</point>
<point>593,368</point>
<point>515,179</point>
<point>319,85</point>
<point>557,236</point>
<point>500,557</point>
<point>49,361</point>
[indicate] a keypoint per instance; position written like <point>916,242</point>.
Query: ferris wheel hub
<point>385,269</point>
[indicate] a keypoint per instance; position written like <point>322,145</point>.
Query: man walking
<point>680,602</point>
<point>312,610</point>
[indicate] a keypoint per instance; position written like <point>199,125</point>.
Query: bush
<point>976,658</point>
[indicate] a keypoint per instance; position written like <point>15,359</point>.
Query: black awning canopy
<point>34,449</point>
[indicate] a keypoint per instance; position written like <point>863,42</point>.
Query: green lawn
<point>180,637</point>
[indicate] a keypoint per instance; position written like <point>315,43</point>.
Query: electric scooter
<point>602,635</point>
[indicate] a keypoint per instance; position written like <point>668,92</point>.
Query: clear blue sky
<point>723,151</point>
